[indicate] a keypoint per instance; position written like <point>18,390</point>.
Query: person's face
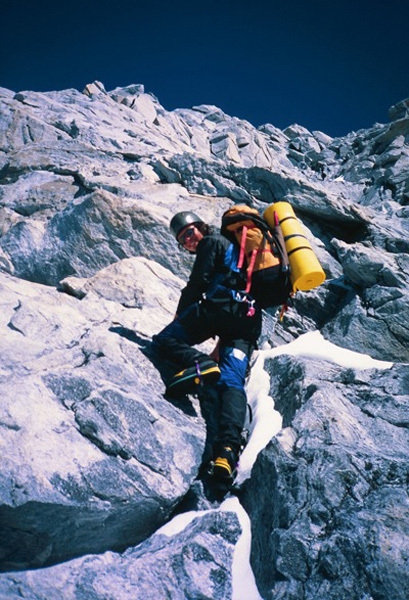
<point>189,237</point>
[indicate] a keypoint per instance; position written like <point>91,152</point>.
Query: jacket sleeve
<point>209,259</point>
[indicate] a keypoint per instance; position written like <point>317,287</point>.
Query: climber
<point>211,305</point>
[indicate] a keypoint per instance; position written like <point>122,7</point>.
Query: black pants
<point>238,333</point>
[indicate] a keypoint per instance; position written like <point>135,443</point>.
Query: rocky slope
<point>94,459</point>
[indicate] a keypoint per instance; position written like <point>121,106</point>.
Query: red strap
<point>284,307</point>
<point>283,310</point>
<point>250,270</point>
<point>242,247</point>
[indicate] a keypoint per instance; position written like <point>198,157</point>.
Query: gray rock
<point>195,563</point>
<point>114,229</point>
<point>331,485</point>
<point>399,110</point>
<point>39,193</point>
<point>93,457</point>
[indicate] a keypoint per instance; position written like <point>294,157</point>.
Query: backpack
<point>262,253</point>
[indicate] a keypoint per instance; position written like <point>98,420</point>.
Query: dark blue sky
<point>330,65</point>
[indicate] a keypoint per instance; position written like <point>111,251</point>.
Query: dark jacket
<point>209,263</point>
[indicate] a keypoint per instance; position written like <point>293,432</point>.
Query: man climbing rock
<point>213,303</point>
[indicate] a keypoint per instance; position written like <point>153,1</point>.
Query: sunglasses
<point>186,236</point>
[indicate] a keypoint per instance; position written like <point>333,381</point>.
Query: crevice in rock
<point>349,232</point>
<point>89,357</point>
<point>14,328</point>
<point>9,175</point>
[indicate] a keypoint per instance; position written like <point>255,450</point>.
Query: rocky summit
<point>99,491</point>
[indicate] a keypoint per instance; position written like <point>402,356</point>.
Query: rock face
<point>331,518</point>
<point>94,458</point>
<point>103,457</point>
<point>197,563</point>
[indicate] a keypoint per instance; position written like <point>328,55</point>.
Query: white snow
<point>243,580</point>
<point>266,420</point>
<point>313,345</point>
<point>178,523</point>
<point>265,424</point>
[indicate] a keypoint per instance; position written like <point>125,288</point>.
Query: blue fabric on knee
<point>233,364</point>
